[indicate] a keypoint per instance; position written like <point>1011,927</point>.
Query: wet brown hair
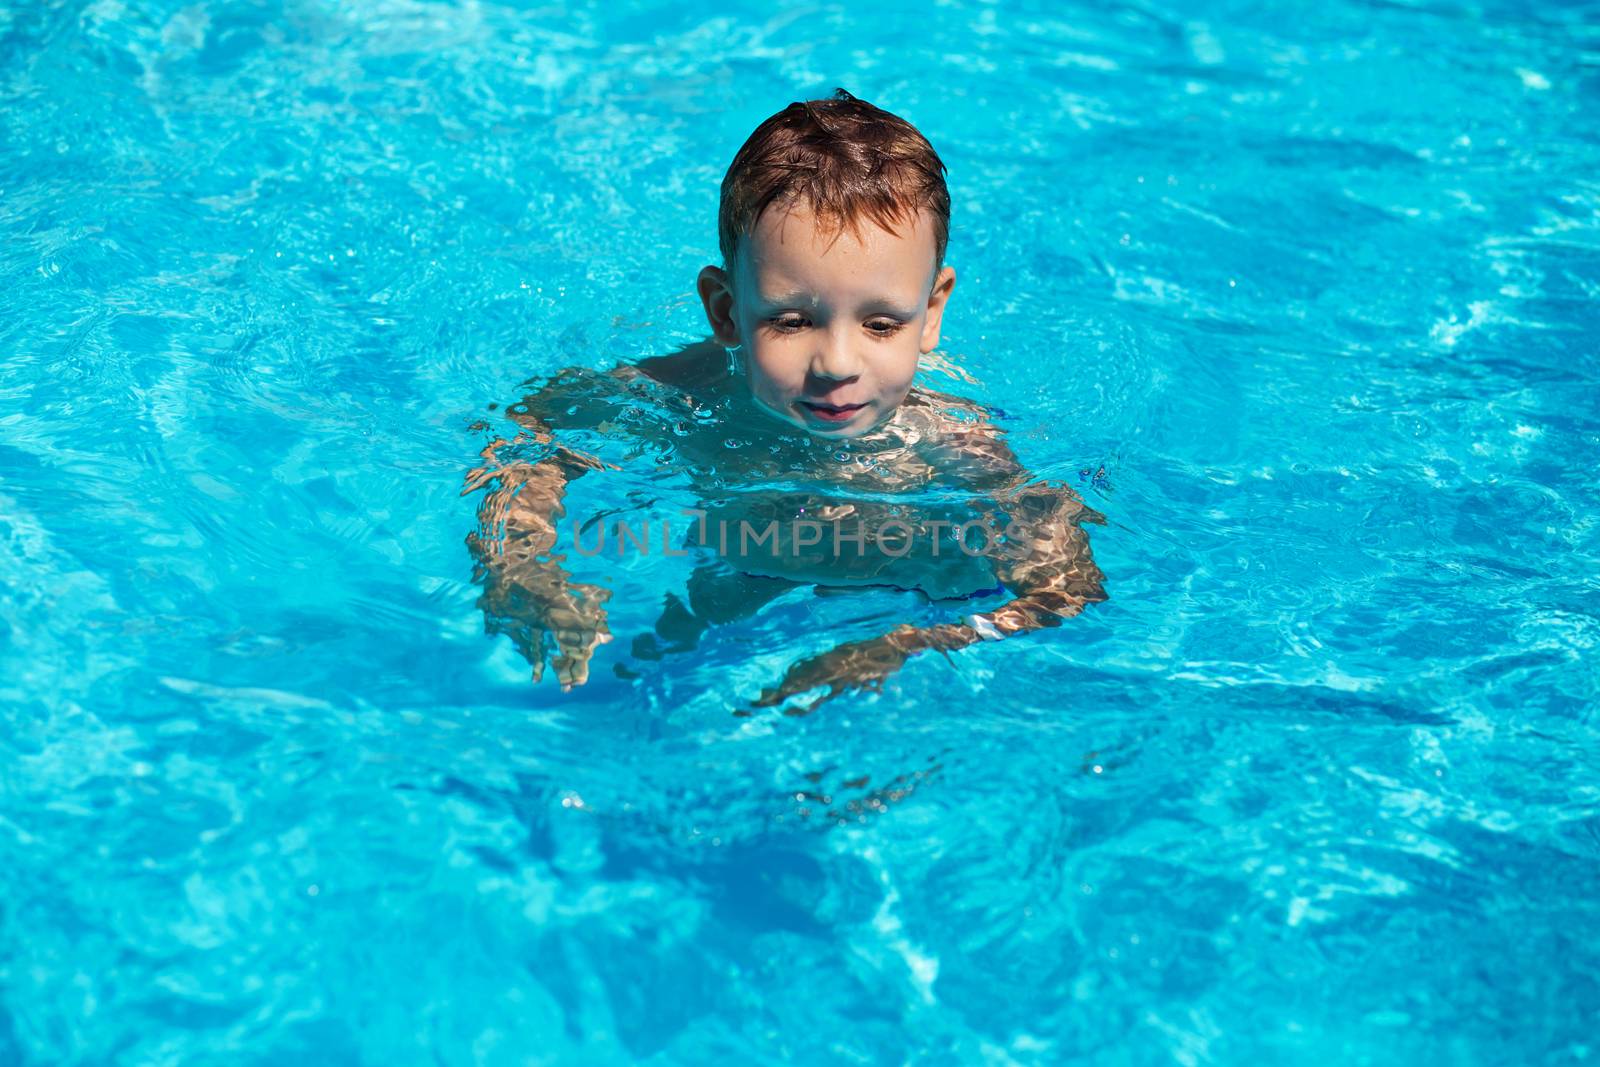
<point>846,159</point>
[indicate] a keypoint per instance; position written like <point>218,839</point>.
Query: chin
<point>833,435</point>
<point>854,428</point>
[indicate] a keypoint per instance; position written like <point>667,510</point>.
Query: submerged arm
<point>527,594</point>
<point>1044,559</point>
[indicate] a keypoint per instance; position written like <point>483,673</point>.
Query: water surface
<point>1314,286</point>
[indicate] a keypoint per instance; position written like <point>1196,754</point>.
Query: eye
<point>788,323</point>
<point>885,327</point>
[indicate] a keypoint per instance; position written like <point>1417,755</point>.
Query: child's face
<point>831,323</point>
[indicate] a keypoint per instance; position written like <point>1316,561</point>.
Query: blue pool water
<point>1315,284</point>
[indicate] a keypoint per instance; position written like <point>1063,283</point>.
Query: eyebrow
<point>877,305</point>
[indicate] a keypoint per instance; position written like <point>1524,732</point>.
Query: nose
<point>835,358</point>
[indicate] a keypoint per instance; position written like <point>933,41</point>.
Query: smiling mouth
<point>829,412</point>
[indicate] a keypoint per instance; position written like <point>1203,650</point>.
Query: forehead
<point>792,249</point>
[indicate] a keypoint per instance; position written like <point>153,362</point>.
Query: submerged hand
<point>576,627</point>
<point>857,665</point>
<point>567,627</point>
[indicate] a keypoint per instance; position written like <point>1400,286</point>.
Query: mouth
<point>831,413</point>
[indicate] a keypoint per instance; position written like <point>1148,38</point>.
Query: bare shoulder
<point>693,366</point>
<point>964,442</point>
<point>960,438</point>
<point>948,405</point>
<point>579,397</point>
<point>572,398</point>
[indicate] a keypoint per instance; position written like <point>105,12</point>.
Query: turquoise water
<point>1317,288</point>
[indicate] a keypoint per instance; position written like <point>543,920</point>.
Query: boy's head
<point>833,226</point>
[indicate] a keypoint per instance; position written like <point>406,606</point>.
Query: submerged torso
<point>769,499</point>
<point>832,539</point>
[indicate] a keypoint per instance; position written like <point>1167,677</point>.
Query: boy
<point>833,224</point>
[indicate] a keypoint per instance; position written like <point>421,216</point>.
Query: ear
<point>937,299</point>
<point>716,293</point>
